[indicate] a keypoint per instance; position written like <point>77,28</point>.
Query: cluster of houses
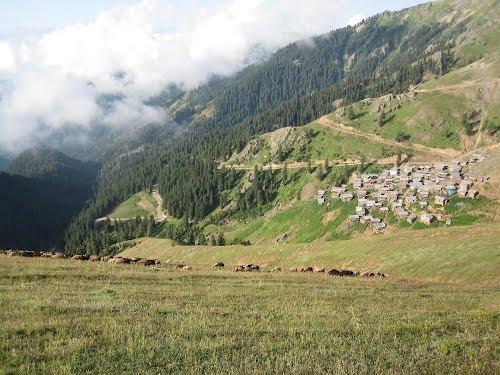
<point>406,189</point>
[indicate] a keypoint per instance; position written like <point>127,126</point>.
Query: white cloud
<point>58,78</point>
<point>355,19</point>
<point>7,58</point>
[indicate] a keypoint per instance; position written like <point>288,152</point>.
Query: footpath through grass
<point>67,317</point>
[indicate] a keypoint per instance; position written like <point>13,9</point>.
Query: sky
<point>59,58</point>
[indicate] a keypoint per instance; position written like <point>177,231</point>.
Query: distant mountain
<point>41,193</point>
<point>36,212</point>
<point>4,163</point>
<point>47,164</point>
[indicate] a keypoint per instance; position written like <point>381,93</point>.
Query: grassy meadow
<point>140,204</point>
<point>468,254</point>
<point>68,317</point>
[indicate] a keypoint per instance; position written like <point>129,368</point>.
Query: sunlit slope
<point>456,254</point>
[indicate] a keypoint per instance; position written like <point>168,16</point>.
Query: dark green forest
<point>40,195</point>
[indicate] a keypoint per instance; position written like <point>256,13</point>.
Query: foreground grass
<point>67,317</point>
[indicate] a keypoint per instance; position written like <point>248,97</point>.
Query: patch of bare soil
<point>329,217</point>
<point>309,190</point>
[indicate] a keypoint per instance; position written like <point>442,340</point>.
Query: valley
<point>331,206</point>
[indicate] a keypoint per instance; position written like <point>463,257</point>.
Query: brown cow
<point>79,257</point>
<point>239,269</point>
<point>334,272</point>
<point>147,262</point>
<point>218,265</point>
<point>346,273</point>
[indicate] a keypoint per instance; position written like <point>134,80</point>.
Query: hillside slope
<point>451,254</point>
<point>426,122</point>
<point>380,45</point>
<point>44,163</point>
<point>42,192</point>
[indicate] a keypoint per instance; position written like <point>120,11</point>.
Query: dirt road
<point>342,128</point>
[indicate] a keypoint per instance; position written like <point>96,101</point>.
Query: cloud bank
<point>132,53</point>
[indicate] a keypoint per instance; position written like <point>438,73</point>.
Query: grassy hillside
<point>311,142</point>
<point>433,114</point>
<point>140,204</point>
<point>453,254</point>
<point>68,317</point>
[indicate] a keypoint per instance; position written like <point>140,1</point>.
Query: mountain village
<point>409,191</point>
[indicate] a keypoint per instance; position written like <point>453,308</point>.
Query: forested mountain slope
<point>385,54</point>
<point>42,192</point>
<point>380,46</point>
<point>44,163</point>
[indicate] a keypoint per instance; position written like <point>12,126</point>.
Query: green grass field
<point>456,254</point>
<point>140,204</point>
<point>67,317</point>
<point>433,120</point>
<point>303,222</point>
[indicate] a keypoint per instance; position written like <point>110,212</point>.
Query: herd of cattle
<point>333,271</point>
<point>91,258</point>
<point>180,265</point>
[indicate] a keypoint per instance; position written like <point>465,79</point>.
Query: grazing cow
<point>334,272</point>
<point>218,265</point>
<point>368,274</point>
<point>306,269</point>
<point>79,257</point>
<point>319,269</point>
<point>157,262</point>
<point>58,256</point>
<point>254,268</point>
<point>380,274</point>
<point>147,262</point>
<point>95,258</point>
<point>135,260</point>
<point>239,269</point>
<point>111,260</point>
<point>346,273</point>
<point>293,269</point>
<point>277,269</point>
<point>121,260</point>
<point>106,258</point>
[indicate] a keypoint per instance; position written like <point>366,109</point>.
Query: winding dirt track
<point>342,128</point>
<point>160,215</point>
